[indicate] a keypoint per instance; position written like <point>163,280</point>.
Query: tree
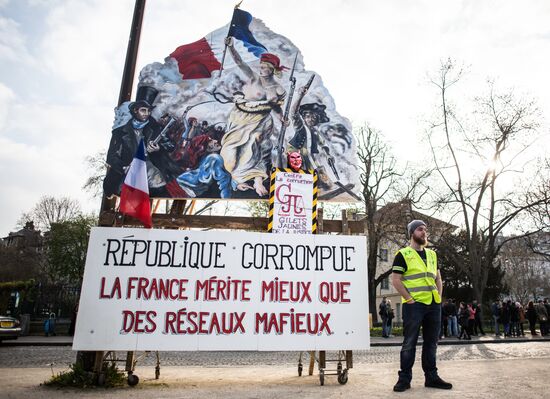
<point>477,165</point>
<point>67,243</point>
<point>50,210</point>
<point>98,168</point>
<point>383,182</point>
<point>452,255</point>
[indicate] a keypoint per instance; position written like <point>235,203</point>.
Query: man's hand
<point>152,147</point>
<point>229,41</point>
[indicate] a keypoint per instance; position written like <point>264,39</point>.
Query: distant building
<point>526,263</point>
<point>26,238</point>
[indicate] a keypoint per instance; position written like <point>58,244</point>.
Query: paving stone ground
<point>491,370</point>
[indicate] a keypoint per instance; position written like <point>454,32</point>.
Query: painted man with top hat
<point>125,140</point>
<point>246,145</point>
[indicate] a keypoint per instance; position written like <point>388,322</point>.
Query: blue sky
<point>61,63</point>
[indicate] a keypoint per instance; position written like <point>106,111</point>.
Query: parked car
<point>9,328</point>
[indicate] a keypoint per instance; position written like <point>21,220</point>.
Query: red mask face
<point>295,161</point>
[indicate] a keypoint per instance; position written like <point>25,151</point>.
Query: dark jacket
<point>505,314</point>
<point>122,149</point>
<point>531,315</point>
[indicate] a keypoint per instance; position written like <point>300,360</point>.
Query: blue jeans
<point>497,325</point>
<point>385,327</point>
<point>414,316</point>
<point>452,329</point>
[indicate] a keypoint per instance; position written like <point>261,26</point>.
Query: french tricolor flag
<point>199,59</point>
<point>134,195</point>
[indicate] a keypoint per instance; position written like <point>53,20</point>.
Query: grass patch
<point>77,377</point>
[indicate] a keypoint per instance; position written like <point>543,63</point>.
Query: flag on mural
<point>199,59</point>
<point>240,29</point>
<point>134,195</point>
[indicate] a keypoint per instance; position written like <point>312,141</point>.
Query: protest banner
<point>292,202</point>
<point>204,290</point>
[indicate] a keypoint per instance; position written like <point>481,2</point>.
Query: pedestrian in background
<point>444,323</point>
<point>471,319</point>
<point>383,313</point>
<point>521,312</point>
<point>496,310</point>
<point>478,327</point>
<point>390,315</point>
<point>514,320</point>
<point>532,318</point>
<point>452,321</point>
<point>463,317</point>
<point>505,317</point>
<point>542,315</point>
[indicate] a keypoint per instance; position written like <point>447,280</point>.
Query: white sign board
<point>147,289</point>
<point>293,203</point>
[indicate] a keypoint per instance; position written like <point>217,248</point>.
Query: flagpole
<point>229,30</point>
<point>131,53</point>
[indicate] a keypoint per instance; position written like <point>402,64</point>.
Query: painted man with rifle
<point>307,139</point>
<point>124,142</point>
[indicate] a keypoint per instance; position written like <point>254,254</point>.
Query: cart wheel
<point>101,379</point>
<point>300,368</point>
<point>343,378</point>
<point>157,373</point>
<point>322,377</point>
<point>133,380</point>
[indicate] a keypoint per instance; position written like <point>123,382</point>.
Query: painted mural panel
<point>218,113</point>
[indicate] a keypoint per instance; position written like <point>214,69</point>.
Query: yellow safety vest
<point>419,279</point>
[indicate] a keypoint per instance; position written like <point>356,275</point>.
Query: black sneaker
<point>401,386</point>
<point>438,383</point>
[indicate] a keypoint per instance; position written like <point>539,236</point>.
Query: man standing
<point>416,277</point>
<point>383,313</point>
<point>450,309</point>
<point>496,310</point>
<point>477,320</point>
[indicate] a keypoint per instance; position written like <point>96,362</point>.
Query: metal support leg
<point>311,362</point>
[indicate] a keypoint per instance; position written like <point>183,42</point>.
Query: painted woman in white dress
<point>246,145</point>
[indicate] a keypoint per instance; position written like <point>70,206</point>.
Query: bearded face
<point>295,161</point>
<point>420,235</point>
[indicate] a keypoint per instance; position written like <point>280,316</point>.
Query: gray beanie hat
<point>412,226</point>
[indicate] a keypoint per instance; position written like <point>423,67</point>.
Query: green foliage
<point>78,378</point>
<point>66,248</point>
<point>16,285</point>
<point>454,262</point>
<point>25,288</point>
<point>377,331</point>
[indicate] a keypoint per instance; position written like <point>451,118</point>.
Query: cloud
<point>12,42</point>
<point>6,97</point>
<point>53,164</point>
<point>85,45</point>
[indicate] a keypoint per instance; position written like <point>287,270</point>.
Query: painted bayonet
<point>281,141</point>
